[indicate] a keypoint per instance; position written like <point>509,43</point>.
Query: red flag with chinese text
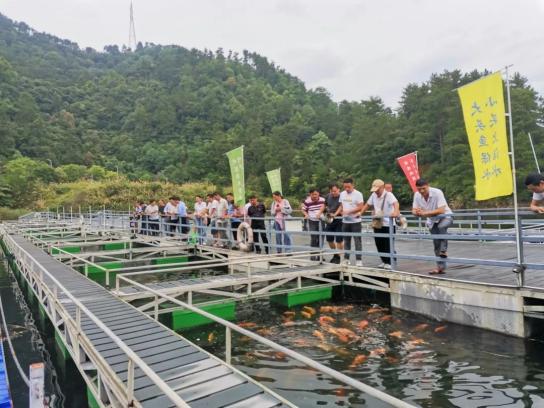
<point>408,164</point>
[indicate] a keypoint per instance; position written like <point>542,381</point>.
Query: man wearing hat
<point>385,208</point>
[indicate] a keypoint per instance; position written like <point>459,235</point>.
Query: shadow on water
<point>421,361</point>
<point>33,339</point>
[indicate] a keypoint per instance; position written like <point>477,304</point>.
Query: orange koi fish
<point>325,320</point>
<point>358,360</point>
<point>440,329</point>
<point>397,334</point>
<point>247,325</point>
<point>385,318</point>
<point>380,351</point>
<point>309,309</point>
<point>306,315</point>
<point>211,337</point>
<point>319,335</point>
<point>289,314</point>
<point>421,327</point>
<point>362,324</point>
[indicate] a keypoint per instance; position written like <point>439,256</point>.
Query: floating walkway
<point>125,356</point>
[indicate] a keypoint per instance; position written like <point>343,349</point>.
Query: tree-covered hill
<point>170,113</point>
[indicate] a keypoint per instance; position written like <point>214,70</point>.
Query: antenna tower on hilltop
<point>132,31</point>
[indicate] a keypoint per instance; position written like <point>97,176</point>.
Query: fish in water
<point>325,320</point>
<point>421,327</point>
<point>306,315</point>
<point>326,309</point>
<point>289,314</point>
<point>309,309</point>
<point>358,360</point>
<point>247,325</point>
<point>340,392</point>
<point>362,324</point>
<point>440,329</point>
<point>385,318</point>
<point>325,347</point>
<point>397,334</point>
<point>211,337</point>
<point>264,332</point>
<point>392,360</point>
<point>416,342</point>
<point>301,343</point>
<point>288,323</point>
<point>380,351</point>
<point>374,310</point>
<point>342,352</point>
<point>319,335</point>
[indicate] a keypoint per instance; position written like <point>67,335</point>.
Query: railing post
<point>130,382</point>
<point>156,308</point>
<point>228,345</point>
<point>392,257</point>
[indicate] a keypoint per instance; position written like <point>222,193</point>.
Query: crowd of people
<point>334,218</point>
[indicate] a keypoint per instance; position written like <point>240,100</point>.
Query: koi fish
<point>289,314</point>
<point>340,392</point>
<point>362,324</point>
<point>326,309</point>
<point>380,351</point>
<point>309,309</point>
<point>440,329</point>
<point>301,343</point>
<point>416,342</point>
<point>288,323</point>
<point>306,315</point>
<point>421,327</point>
<point>398,334</point>
<point>325,347</point>
<point>392,360</point>
<point>319,335</point>
<point>325,320</point>
<point>280,356</point>
<point>385,318</point>
<point>374,310</point>
<point>264,332</point>
<point>247,325</point>
<point>342,352</point>
<point>358,360</point>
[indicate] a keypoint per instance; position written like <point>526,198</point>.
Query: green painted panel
<point>91,400</point>
<point>70,249</point>
<point>61,347</point>
<point>302,297</point>
<point>114,245</point>
<point>99,275</point>
<point>184,319</point>
<point>169,260</point>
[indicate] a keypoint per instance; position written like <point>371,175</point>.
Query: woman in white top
<point>200,218</point>
<point>152,212</point>
<point>385,208</point>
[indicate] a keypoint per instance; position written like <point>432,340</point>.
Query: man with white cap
<point>385,208</point>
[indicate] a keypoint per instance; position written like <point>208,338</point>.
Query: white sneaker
<point>345,262</point>
<point>381,266</point>
<point>359,263</point>
<point>387,267</point>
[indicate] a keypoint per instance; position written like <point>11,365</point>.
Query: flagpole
<point>519,269</point>
<point>534,153</point>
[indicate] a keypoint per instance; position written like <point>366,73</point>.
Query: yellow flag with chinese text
<point>483,109</point>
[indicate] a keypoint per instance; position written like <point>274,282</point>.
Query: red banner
<point>408,164</point>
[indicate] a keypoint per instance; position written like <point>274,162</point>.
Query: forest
<point>164,115</point>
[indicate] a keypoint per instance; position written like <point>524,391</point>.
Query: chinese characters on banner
<point>483,109</point>
<point>408,164</point>
<point>274,178</point>
<point>236,162</point>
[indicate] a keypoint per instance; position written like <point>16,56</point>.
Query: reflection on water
<point>420,361</point>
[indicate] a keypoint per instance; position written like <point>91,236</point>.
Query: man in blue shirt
<point>182,213</point>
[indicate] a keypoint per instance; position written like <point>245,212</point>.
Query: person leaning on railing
<point>430,202</point>
<point>312,209</point>
<point>256,213</point>
<point>535,184</point>
<point>280,210</point>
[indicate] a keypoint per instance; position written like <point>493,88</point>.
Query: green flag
<point>274,178</point>
<point>236,161</point>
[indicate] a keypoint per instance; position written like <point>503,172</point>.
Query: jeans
<point>352,228</point>
<point>153,225</point>
<point>315,238</point>
<point>383,243</point>
<point>259,230</point>
<point>283,239</point>
<point>200,229</point>
<point>441,245</point>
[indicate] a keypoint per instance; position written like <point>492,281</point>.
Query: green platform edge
<point>91,400</point>
<point>185,319</point>
<point>114,245</point>
<point>98,275</point>
<point>169,260</point>
<point>302,296</point>
<point>70,249</point>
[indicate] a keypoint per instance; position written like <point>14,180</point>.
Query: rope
<point>8,338</point>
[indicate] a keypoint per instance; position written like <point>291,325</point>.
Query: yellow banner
<point>483,109</point>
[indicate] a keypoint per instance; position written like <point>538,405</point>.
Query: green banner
<point>236,161</point>
<point>274,178</point>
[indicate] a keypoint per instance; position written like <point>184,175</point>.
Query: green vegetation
<point>167,113</point>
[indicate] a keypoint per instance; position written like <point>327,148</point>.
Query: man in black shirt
<point>332,202</point>
<point>256,213</point>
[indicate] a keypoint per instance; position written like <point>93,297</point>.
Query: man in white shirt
<point>171,212</point>
<point>152,212</point>
<point>351,205</point>
<point>535,184</point>
<point>385,208</point>
<point>430,202</point>
<point>221,222</point>
<point>200,218</point>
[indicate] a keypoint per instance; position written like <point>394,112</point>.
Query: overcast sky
<point>353,48</point>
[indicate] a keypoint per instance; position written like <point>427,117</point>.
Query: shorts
<point>330,229</point>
